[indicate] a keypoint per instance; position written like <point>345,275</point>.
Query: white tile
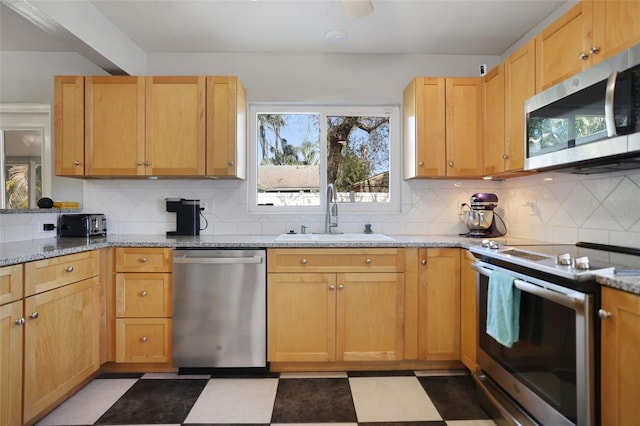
<point>235,401</point>
<point>314,424</point>
<point>91,402</point>
<point>471,423</point>
<point>314,375</point>
<point>391,399</point>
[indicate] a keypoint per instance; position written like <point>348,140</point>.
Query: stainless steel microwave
<point>588,123</point>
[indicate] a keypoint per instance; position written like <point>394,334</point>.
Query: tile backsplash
<point>551,206</point>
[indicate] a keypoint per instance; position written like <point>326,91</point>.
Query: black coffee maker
<point>187,216</point>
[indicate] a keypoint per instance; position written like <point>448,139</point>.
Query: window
<point>296,151</point>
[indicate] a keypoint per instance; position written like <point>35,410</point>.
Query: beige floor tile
<point>391,399</point>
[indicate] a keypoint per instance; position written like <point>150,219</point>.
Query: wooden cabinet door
<point>68,126</point>
<point>61,347</point>
<point>370,317</point>
<point>494,120</point>
<point>615,26</point>
<point>114,126</point>
<point>143,295</point>
<point>226,127</point>
<point>464,127</point>
<point>620,368</point>
<point>11,283</point>
<point>520,85</point>
<point>175,126</point>
<point>301,317</point>
<point>11,334</point>
<point>439,305</point>
<point>144,259</point>
<point>424,128</point>
<point>143,339</point>
<point>562,48</point>
<point>468,311</point>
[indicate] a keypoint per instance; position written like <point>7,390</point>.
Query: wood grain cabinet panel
<point>11,284</point>
<point>47,274</point>
<point>68,133</point>
<point>11,359</point>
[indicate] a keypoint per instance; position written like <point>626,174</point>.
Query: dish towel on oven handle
<point>503,309</point>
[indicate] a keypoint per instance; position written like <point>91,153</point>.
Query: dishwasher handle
<point>218,260</point>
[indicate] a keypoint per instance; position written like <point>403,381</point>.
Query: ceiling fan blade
<point>357,8</point>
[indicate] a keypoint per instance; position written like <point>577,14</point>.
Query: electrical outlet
<point>48,227</point>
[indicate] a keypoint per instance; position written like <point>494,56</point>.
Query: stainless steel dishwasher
<point>219,308</point>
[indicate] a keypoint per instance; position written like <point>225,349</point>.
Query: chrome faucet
<point>331,215</point>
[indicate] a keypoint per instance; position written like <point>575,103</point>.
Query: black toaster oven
<point>82,225</point>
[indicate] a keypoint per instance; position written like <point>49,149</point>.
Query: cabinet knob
<point>340,287</point>
<point>332,287</point>
<point>421,163</point>
<point>594,50</point>
<point>304,261</point>
<point>143,259</point>
<point>232,163</point>
<point>143,294</point>
<point>147,163</point>
<point>368,261</point>
<point>143,339</point>
<point>604,314</point>
<point>423,261</point>
<point>450,163</point>
<point>20,321</point>
<point>583,56</point>
<point>69,269</point>
<point>34,315</point>
<point>76,163</point>
<point>505,157</point>
<point>138,163</point>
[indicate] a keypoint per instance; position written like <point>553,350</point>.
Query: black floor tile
<point>313,401</point>
<point>155,401</point>
<point>389,373</point>
<point>429,423</point>
<point>120,376</point>
<point>454,397</point>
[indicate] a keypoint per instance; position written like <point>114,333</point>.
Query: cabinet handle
<point>143,294</point>
<point>604,314</point>
<point>594,50</point>
<point>34,315</point>
<point>450,163</point>
<point>20,321</point>
<point>69,269</point>
<point>143,259</point>
<point>332,287</point>
<point>138,163</point>
<point>423,261</point>
<point>340,287</point>
<point>143,339</point>
<point>421,163</point>
<point>76,163</point>
<point>368,261</point>
<point>147,163</point>
<point>304,261</point>
<point>583,56</point>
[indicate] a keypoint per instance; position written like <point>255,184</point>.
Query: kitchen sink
<point>332,238</point>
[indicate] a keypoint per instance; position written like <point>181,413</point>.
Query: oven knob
<point>493,245</point>
<point>485,243</point>
<point>582,262</point>
<point>563,259</point>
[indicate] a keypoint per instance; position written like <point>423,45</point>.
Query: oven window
<point>544,358</point>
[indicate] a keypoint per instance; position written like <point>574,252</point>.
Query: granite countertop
<point>26,251</point>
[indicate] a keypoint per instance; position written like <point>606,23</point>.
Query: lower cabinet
<point>61,343</point>
<point>11,357</point>
<point>620,362</point>
<point>468,311</point>
<point>354,313</point>
<point>439,304</point>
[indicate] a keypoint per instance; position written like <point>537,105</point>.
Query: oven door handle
<point>553,296</point>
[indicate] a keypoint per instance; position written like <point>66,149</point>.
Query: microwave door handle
<point>609,116</point>
<point>553,296</point>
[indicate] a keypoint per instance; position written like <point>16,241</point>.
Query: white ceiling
<point>457,27</point>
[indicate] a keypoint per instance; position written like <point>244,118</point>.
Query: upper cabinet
<point>588,33</point>
<point>226,127</point>
<point>129,126</point>
<point>506,87</point>
<point>443,127</point>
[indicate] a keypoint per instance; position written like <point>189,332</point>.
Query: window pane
<point>358,157</point>
<point>288,159</point>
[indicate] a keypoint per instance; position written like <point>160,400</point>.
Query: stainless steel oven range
<point>550,375</point>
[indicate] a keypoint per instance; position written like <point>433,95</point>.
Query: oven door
<point>549,371</point>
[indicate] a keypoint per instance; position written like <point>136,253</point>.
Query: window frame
<point>395,155</point>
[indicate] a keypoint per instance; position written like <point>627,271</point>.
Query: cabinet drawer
<point>10,283</point>
<point>336,260</point>
<point>47,274</point>
<point>143,259</point>
<point>143,295</point>
<point>143,340</point>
